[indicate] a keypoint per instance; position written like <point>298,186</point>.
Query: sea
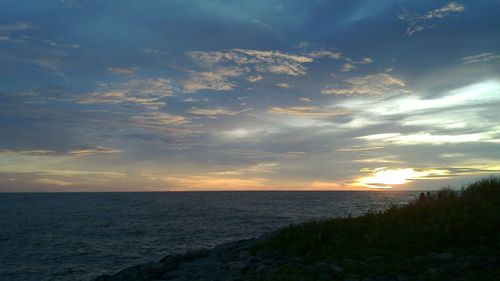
<point>78,236</point>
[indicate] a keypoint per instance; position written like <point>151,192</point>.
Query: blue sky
<point>254,95</point>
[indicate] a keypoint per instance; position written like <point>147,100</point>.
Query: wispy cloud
<point>158,120</point>
<point>261,61</point>
<point>85,151</point>
<point>426,138</point>
<point>122,70</point>
<point>16,26</point>
<point>146,92</point>
<point>177,128</point>
<point>374,84</point>
<point>253,79</point>
<point>418,23</point>
<point>307,111</point>
<point>35,152</point>
<point>213,112</point>
<point>357,148</point>
<point>284,85</point>
<point>483,57</point>
<point>56,182</point>
<point>216,79</point>
<point>346,67</point>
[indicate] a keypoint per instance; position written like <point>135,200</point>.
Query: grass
<point>462,222</point>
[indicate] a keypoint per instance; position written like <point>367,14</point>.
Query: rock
<point>419,278</point>
<point>489,262</point>
<point>336,268</point>
<point>136,273</point>
<point>244,254</point>
<point>198,268</point>
<point>324,277</point>
<point>432,270</point>
<point>445,256</point>
<point>401,277</point>
<point>384,278</point>
<point>241,265</point>
<point>419,258</point>
<point>264,254</point>
<point>375,258</point>
<point>261,268</point>
<point>178,279</point>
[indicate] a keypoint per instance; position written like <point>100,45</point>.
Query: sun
<point>384,178</point>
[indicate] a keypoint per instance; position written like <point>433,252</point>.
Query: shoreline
<point>446,235</point>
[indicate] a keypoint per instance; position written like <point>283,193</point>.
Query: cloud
<point>426,138</point>
<point>481,93</point>
<point>325,54</point>
<point>260,61</point>
<point>452,7</point>
<point>35,152</point>
<point>387,159</point>
<point>284,85</point>
<point>245,178</point>
<point>213,112</point>
<point>93,150</point>
<point>306,111</point>
<point>158,120</point>
<point>175,127</point>
<point>207,182</point>
<point>56,182</point>
<point>346,67</point>
<point>216,79</point>
<point>16,26</point>
<point>146,92</point>
<point>357,148</point>
<point>259,168</point>
<point>419,23</point>
<point>253,79</point>
<point>375,84</point>
<point>122,70</point>
<point>219,68</point>
<point>479,58</point>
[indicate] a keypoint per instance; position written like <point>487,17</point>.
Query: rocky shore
<point>230,261</point>
<point>238,261</point>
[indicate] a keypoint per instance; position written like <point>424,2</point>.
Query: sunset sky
<point>166,95</point>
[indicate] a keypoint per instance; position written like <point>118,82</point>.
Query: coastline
<point>446,235</point>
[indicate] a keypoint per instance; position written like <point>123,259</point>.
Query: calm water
<point>78,236</point>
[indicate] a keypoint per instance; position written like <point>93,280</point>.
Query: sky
<point>167,95</point>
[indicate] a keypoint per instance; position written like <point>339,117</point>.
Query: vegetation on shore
<point>418,237</point>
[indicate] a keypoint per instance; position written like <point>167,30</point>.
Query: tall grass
<point>446,220</point>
